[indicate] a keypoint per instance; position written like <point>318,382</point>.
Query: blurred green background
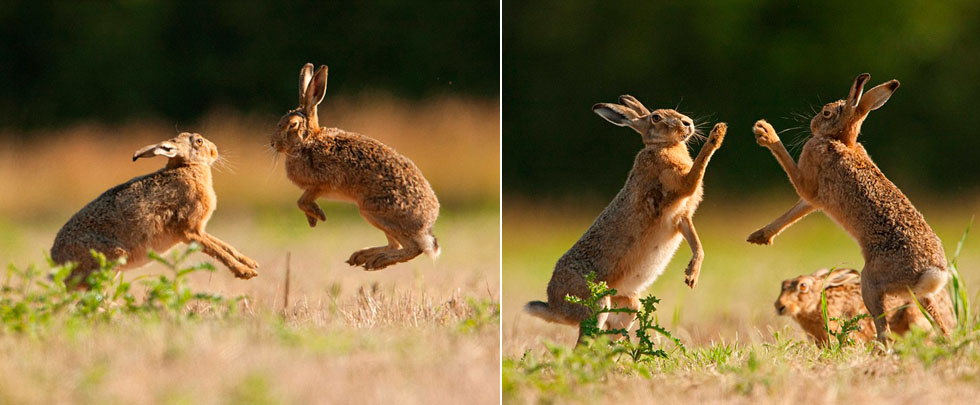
<point>64,61</point>
<point>736,61</point>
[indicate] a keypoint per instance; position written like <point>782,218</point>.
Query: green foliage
<point>645,347</point>
<point>601,353</point>
<point>484,313</point>
<point>842,334</point>
<point>29,303</point>
<point>957,289</point>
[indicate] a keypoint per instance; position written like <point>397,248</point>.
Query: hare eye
<point>826,113</point>
<point>656,117</point>
<point>200,142</point>
<point>803,287</point>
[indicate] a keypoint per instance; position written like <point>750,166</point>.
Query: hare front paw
<point>765,135</point>
<point>314,213</point>
<point>760,237</point>
<point>249,262</point>
<point>717,134</point>
<point>244,273</point>
<point>692,272</point>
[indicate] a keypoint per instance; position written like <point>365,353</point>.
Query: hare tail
<point>432,248</point>
<point>542,310</point>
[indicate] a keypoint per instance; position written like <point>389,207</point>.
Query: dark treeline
<point>65,61</point>
<point>737,61</point>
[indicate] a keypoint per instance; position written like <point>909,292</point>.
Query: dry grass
<point>407,334</point>
<point>733,306</point>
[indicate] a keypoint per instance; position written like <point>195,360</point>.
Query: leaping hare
<point>836,175</point>
<point>799,298</point>
<point>630,243</point>
<point>387,187</point>
<point>155,211</point>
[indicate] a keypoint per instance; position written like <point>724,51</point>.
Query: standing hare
<point>151,212</point>
<point>630,243</point>
<point>836,175</point>
<point>387,187</point>
<point>799,298</point>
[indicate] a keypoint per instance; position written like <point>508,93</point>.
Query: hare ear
<point>876,97</point>
<point>843,276</point>
<point>820,274</point>
<point>616,114</point>
<point>305,74</point>
<point>854,96</point>
<point>635,104</point>
<point>317,88</point>
<point>161,149</point>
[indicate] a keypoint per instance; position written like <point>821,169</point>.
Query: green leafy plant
<point>29,302</point>
<point>845,325</point>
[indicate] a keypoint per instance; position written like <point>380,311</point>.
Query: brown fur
<point>387,187</point>
<point>632,240</point>
<point>836,175</point>
<point>152,212</point>
<point>799,298</point>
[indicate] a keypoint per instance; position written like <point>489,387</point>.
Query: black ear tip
<point>597,106</point>
<point>135,157</point>
<point>893,84</point>
<point>864,76</point>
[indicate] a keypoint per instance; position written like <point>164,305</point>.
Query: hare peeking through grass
<point>152,212</point>
<point>799,298</point>
<point>387,187</point>
<point>836,175</point>
<point>634,237</point>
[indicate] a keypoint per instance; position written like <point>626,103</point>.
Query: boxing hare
<point>388,188</point>
<point>836,175</point>
<point>630,243</point>
<point>151,212</point>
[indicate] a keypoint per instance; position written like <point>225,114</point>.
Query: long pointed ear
<point>161,149</point>
<point>635,104</point>
<point>876,97</point>
<point>616,114</point>
<point>317,88</point>
<point>854,96</point>
<point>820,274</point>
<point>843,276</point>
<point>305,74</point>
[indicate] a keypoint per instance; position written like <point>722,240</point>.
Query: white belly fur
<point>648,258</point>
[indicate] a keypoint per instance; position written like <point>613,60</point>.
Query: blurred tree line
<point>737,61</point>
<point>62,61</point>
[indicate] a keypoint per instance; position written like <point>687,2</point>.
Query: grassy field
<point>738,349</point>
<point>419,332</point>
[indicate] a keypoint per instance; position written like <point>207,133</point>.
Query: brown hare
<point>836,175</point>
<point>388,188</point>
<point>630,243</point>
<point>799,298</point>
<point>152,212</point>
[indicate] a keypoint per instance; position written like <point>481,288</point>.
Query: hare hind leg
<point>401,247</point>
<point>361,257</point>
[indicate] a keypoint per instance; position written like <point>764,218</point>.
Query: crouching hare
<point>799,298</point>
<point>836,175</point>
<point>387,187</point>
<point>152,212</point>
<point>630,243</point>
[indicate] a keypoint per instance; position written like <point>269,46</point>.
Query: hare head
<point>297,124</point>
<point>801,292</point>
<point>842,119</point>
<point>657,127</point>
<point>185,149</point>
